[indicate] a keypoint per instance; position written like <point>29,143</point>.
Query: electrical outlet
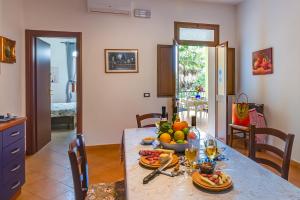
<point>146,95</point>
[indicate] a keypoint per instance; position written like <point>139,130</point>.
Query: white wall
<point>273,23</point>
<point>11,74</point>
<point>111,101</point>
<point>59,61</point>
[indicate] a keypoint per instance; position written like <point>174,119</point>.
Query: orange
<point>165,137</point>
<point>185,124</point>
<point>179,135</point>
<point>178,126</point>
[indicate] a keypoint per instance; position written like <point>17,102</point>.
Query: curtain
<point>71,65</point>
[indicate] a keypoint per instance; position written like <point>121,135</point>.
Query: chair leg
<point>231,136</point>
<point>245,139</point>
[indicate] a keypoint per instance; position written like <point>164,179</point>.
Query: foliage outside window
<point>193,62</point>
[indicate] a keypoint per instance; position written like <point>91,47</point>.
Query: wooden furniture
<point>35,140</point>
<point>140,118</point>
<point>63,115</point>
<point>166,72</point>
<point>244,130</point>
<point>79,167</point>
<point>250,180</point>
<point>12,157</point>
<point>285,155</point>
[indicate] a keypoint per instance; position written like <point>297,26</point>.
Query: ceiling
<point>221,1</point>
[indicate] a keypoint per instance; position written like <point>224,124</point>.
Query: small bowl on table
<point>207,167</point>
<point>148,140</point>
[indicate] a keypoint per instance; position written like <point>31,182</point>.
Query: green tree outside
<point>193,62</point>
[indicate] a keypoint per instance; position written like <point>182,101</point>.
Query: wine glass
<point>191,155</point>
<point>211,148</point>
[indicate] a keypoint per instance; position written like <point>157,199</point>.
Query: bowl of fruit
<point>174,136</point>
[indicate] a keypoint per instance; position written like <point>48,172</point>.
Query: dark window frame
<point>214,27</point>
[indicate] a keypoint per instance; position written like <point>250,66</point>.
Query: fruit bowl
<point>175,147</point>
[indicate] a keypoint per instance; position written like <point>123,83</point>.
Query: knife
<point>153,174</point>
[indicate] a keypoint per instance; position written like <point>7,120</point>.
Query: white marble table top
<point>251,181</point>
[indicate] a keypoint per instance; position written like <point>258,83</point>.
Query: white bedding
<point>63,109</point>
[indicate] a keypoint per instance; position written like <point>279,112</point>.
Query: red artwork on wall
<point>262,62</point>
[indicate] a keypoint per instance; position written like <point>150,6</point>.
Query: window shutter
<point>165,71</point>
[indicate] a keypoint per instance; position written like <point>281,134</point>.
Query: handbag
<point>240,111</point>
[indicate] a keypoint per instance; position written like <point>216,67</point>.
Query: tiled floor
<point>48,174</point>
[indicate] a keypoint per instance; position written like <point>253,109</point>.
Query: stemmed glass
<point>191,155</point>
<point>211,148</point>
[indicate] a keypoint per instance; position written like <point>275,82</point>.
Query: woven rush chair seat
<point>106,191</point>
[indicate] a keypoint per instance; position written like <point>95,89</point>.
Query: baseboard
<point>295,164</point>
<point>105,146</point>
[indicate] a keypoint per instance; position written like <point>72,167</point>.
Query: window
<point>197,34</point>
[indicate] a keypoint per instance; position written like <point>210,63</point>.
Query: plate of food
<point>153,158</point>
<point>216,182</point>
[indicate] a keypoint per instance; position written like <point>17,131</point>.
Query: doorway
<point>53,87</point>
<point>193,84</point>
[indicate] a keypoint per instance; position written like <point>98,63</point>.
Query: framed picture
<point>121,61</point>
<point>262,62</point>
<point>7,50</point>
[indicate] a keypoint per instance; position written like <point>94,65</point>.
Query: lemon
<point>180,142</point>
<point>179,135</point>
<point>165,137</point>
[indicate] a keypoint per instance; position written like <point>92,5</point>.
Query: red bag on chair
<point>240,111</point>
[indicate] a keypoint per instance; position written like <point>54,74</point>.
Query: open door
<point>176,74</point>
<point>43,119</point>
<point>167,67</point>
<point>221,92</point>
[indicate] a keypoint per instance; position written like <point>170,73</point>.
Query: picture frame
<point>121,61</point>
<point>262,62</point>
<point>7,50</point>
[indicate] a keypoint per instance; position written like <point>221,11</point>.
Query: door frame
<point>225,44</point>
<point>30,71</point>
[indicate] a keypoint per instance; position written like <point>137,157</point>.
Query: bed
<point>63,114</point>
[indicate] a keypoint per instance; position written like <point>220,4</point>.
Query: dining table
<point>250,180</point>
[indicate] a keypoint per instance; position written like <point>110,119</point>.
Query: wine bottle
<point>163,118</point>
<point>194,135</point>
<point>175,117</point>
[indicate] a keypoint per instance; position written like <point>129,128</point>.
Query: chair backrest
<point>140,118</point>
<point>284,155</point>
<point>79,166</point>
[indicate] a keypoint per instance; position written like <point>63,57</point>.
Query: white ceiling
<point>221,1</point>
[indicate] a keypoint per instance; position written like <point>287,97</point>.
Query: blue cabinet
<point>12,158</point>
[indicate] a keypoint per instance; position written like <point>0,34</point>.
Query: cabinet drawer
<point>1,163</point>
<point>13,134</point>
<point>11,187</point>
<point>13,151</point>
<point>14,168</point>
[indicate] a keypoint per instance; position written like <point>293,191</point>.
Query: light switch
<point>146,95</point>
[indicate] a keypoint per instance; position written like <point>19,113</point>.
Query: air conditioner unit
<point>110,6</point>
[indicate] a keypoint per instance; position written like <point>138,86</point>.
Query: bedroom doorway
<point>53,88</point>
<point>63,56</point>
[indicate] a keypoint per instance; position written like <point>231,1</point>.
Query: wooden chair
<point>140,118</point>
<point>244,130</point>
<point>79,167</point>
<point>284,155</point>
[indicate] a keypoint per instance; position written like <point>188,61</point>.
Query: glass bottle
<point>163,118</point>
<point>193,137</point>
<point>175,117</point>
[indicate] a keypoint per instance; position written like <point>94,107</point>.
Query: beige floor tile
<point>46,188</point>
<point>66,196</point>
<point>28,196</point>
